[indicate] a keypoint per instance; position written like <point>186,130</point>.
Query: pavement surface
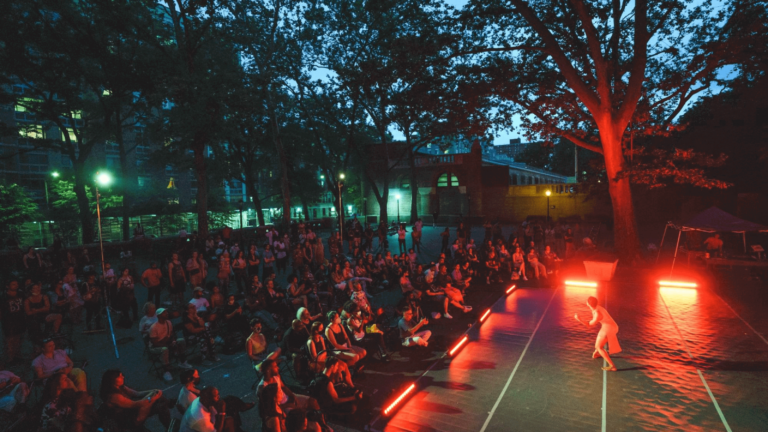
<point>692,360</point>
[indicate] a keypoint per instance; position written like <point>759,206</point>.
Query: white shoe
<point>167,376</point>
<point>525,278</point>
<point>435,315</point>
<point>447,315</point>
<point>185,365</point>
<point>467,309</point>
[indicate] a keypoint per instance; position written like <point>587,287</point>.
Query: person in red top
<point>151,279</point>
<point>226,233</point>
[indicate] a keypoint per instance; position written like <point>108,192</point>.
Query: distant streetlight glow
<point>55,174</point>
<point>397,196</point>
<point>104,179</point>
<point>548,193</point>
<point>341,176</point>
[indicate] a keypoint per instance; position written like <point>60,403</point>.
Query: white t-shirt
<point>198,418</point>
<point>160,331</point>
<point>146,323</point>
<point>281,395</point>
<point>48,365</point>
<point>201,304</point>
<point>185,399</point>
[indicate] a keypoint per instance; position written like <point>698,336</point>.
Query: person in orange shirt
<point>151,279</point>
<point>714,245</point>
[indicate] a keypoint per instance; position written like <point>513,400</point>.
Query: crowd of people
<point>323,321</point>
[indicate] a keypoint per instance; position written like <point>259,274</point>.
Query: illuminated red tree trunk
<point>626,239</point>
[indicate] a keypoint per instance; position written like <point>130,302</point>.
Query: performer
<point>607,333</point>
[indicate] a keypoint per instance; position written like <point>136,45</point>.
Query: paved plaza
<point>691,360</point>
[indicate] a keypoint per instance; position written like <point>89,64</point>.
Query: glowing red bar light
<point>677,284</point>
<point>458,345</point>
<point>586,284</point>
<point>399,399</point>
<point>485,315</point>
<point>510,289</point>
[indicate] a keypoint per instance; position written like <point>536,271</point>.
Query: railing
<point>449,159</point>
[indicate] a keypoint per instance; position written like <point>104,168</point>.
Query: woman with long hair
<point>130,407</point>
<point>339,341</point>
<point>316,348</point>
<point>126,298</point>
<point>194,271</point>
<point>178,279</point>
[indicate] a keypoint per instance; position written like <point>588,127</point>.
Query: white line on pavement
<point>706,386</point>
<point>512,375</point>
<point>742,319</point>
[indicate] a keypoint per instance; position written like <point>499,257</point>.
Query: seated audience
<point>256,346</point>
<point>53,361</point>
<point>162,340</point>
<point>410,330</point>
<point>130,407</point>
<point>207,413</point>
<point>13,391</point>
<point>334,397</point>
<point>339,341</point>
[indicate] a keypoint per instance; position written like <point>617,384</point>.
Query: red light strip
<point>399,398</point>
<point>485,315</point>
<point>581,284</point>
<point>678,284</point>
<point>509,290</point>
<point>458,345</point>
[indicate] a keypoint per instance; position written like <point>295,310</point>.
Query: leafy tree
<point>15,208</point>
<point>592,71</point>
<point>66,209</point>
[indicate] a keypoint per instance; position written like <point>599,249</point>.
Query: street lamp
<point>398,208</point>
<point>341,213</point>
<point>548,193</point>
<point>104,179</point>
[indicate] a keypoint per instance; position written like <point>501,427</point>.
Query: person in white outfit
<point>607,333</point>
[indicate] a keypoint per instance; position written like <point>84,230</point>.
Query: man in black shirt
<point>491,267</point>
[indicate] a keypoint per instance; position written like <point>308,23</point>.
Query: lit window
<point>32,131</point>
<point>454,180</point>
<point>442,181</point>
<point>106,93</point>
<point>71,132</point>
<point>77,115</point>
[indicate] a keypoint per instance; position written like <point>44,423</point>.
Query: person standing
<point>435,215</point>
<point>401,239</point>
<point>607,333</point>
<point>178,279</point>
<point>416,234</point>
<point>151,279</point>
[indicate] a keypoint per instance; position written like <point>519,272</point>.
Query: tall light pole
<point>55,175</point>
<point>104,179</point>
<point>398,208</point>
<point>341,213</point>
<point>548,193</point>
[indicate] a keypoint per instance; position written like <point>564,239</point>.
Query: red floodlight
<point>485,315</point>
<point>582,284</point>
<point>458,345</point>
<point>678,284</point>
<point>399,399</point>
<point>510,289</point>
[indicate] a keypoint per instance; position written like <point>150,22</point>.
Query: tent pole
<point>677,246</point>
<point>662,242</point>
<point>744,237</point>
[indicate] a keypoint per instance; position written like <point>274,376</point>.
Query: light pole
<point>398,208</point>
<point>104,179</point>
<point>548,193</point>
<point>341,213</point>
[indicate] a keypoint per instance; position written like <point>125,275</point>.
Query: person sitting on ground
<point>202,306</point>
<point>435,295</point>
<point>456,298</point>
<point>256,346</point>
<point>339,341</point>
<point>410,330</point>
<point>38,310</point>
<point>297,421</point>
<point>53,361</point>
<point>55,410</point>
<point>194,326</point>
<point>13,391</point>
<point>149,318</point>
<point>371,340</point>
<point>207,413</point>
<point>334,398</point>
<point>286,398</point>
<point>518,263</point>
<point>551,261</point>
<point>538,268</point>
<point>130,407</point>
<point>190,379</point>
<point>163,341</point>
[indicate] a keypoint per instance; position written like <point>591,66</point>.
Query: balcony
<point>437,160</point>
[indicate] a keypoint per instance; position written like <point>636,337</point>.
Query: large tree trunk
<point>285,187</point>
<point>86,222</point>
<point>626,239</point>
<point>201,172</point>
<point>254,193</point>
<point>414,185</point>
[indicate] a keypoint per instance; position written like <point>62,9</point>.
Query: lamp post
<point>341,213</point>
<point>398,208</point>
<point>365,209</point>
<point>548,193</point>
<point>104,179</point>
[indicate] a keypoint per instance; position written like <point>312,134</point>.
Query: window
<point>33,131</point>
<point>71,132</point>
<point>405,183</point>
<point>442,181</point>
